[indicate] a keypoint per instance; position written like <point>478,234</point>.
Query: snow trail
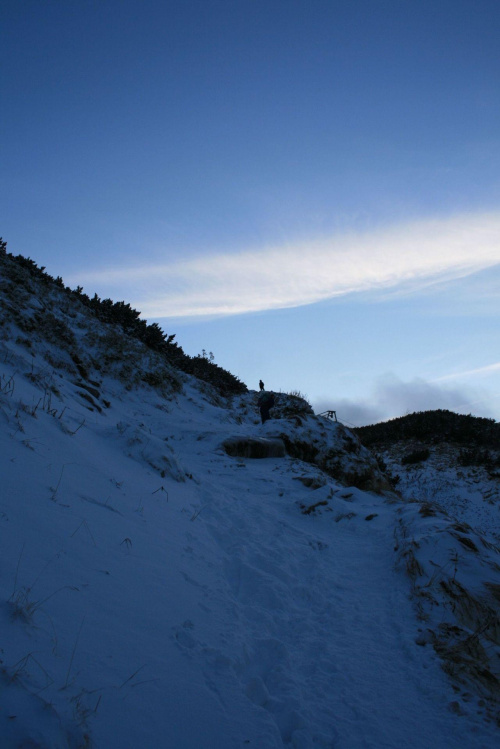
<point>319,623</point>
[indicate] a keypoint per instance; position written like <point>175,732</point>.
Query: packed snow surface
<point>157,592</point>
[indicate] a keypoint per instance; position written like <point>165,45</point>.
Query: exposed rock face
<point>328,445</point>
<point>254,447</point>
<point>333,448</point>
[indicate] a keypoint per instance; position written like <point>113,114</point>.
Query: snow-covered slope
<point>158,588</point>
<point>470,494</point>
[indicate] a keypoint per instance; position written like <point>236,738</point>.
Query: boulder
<point>254,447</point>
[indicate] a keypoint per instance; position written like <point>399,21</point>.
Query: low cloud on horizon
<point>392,397</point>
<point>296,274</point>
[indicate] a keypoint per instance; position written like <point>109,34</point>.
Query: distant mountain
<point>434,427</point>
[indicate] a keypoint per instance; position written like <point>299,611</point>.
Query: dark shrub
<point>417,456</point>
<point>476,457</point>
<point>24,271</point>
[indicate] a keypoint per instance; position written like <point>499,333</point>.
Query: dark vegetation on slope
<point>475,437</point>
<point>122,314</point>
<point>435,427</point>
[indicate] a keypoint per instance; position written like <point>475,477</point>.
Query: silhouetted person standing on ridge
<point>261,385</point>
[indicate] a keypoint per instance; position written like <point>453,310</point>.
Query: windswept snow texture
<point>158,592</point>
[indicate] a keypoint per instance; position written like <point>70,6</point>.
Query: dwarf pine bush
<point>23,274</point>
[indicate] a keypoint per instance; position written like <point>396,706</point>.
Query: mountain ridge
<point>161,587</point>
<point>438,425</point>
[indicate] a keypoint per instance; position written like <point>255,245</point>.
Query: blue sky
<point>311,190</point>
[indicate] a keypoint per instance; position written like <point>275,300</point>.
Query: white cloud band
<point>306,272</point>
<point>478,372</point>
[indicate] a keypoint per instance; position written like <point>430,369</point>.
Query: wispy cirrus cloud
<point>300,273</point>
<point>469,373</point>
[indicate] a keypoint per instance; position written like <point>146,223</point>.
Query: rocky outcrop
<point>328,445</point>
<point>334,449</point>
<point>254,447</point>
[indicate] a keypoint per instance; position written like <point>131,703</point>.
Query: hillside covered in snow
<point>451,460</point>
<point>175,574</point>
